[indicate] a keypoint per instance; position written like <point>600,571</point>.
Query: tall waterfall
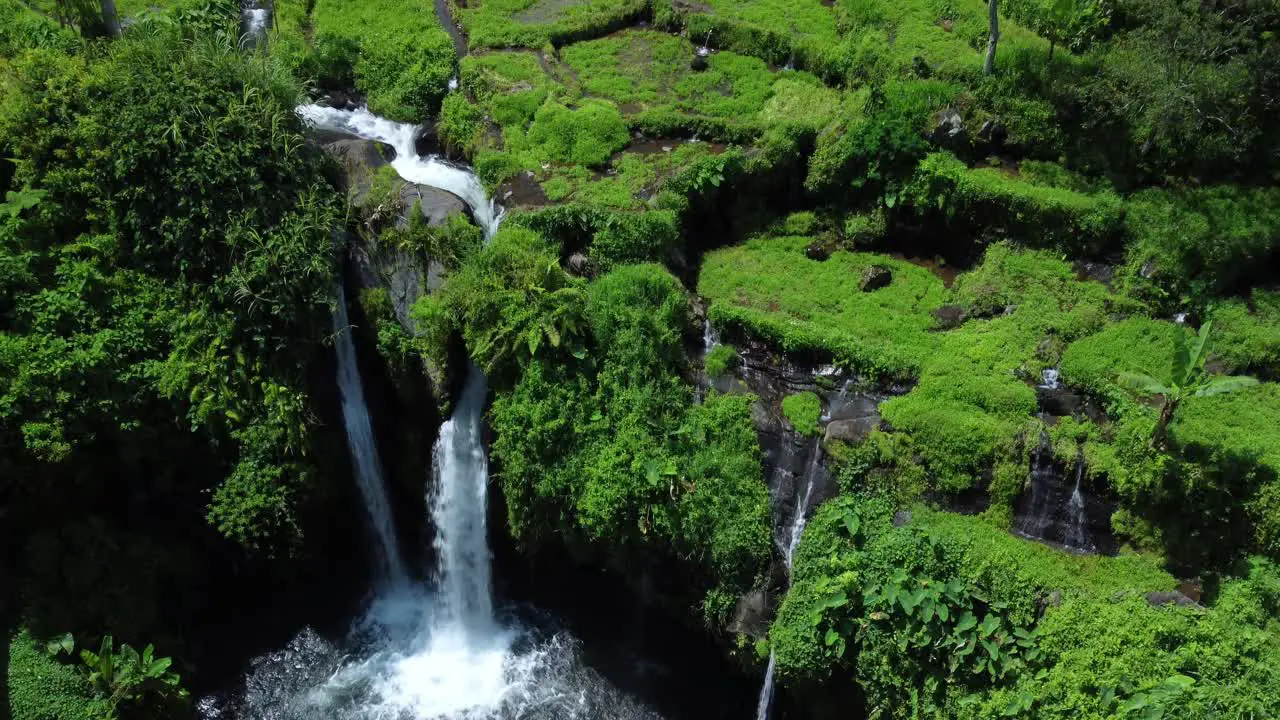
<point>364,452</point>
<point>435,652</point>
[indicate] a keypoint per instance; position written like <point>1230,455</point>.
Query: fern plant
<point>1187,379</point>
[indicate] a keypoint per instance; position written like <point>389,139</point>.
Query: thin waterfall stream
<point>364,452</point>
<point>796,531</point>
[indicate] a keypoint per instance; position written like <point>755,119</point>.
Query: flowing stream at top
<point>436,651</point>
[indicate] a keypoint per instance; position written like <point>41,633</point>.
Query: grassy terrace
<point>570,123</point>
<point>535,23</point>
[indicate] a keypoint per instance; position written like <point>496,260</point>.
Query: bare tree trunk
<point>993,16</point>
<point>109,18</point>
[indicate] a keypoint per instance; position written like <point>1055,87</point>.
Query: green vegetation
<point>803,411</point>
<point>1187,379</point>
<point>1026,629</point>
<point>842,182</point>
<point>596,433</point>
<point>1037,214</point>
<point>535,23</point>
<point>395,53</point>
<point>885,332</point>
<point>721,360</point>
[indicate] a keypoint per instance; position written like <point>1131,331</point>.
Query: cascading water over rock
<point>427,652</point>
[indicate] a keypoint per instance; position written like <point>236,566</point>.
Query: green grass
<point>771,288</point>
<point>803,411</point>
<point>648,74</point>
<point>40,688</point>
<point>721,360</point>
<point>1038,214</point>
<point>974,397</point>
<point>1248,334</point>
<point>535,23</point>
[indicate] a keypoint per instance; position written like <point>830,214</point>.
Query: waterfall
<point>1077,537</point>
<point>798,520</point>
<point>437,651</point>
<point>364,453</point>
<point>458,510</point>
<point>1044,475</point>
<point>253,26</point>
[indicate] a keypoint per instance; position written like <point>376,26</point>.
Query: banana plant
<point>1187,379</point>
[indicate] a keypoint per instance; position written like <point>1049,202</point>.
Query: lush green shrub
<point>610,453</point>
<point>1188,245</point>
<point>803,411</point>
<point>587,135</point>
<point>396,53</point>
<point>1248,334</point>
<point>521,23</point>
<point>769,288</point>
<point>866,596</point>
<point>41,688</point>
<point>721,360</point>
<point>989,198</point>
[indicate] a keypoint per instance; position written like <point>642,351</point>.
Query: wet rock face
<point>752,615</point>
<point>1062,507</point>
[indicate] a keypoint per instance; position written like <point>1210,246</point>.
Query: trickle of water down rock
<point>436,650</point>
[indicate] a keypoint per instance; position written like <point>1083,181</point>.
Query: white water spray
<point>364,452</point>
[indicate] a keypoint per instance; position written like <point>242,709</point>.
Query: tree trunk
<point>109,18</point>
<point>1160,438</point>
<point>993,17</point>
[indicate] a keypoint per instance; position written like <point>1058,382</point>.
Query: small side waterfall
<point>798,520</point>
<point>1044,478</point>
<point>1077,522</point>
<point>364,452</point>
<point>253,25</point>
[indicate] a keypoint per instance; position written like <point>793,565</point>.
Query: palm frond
<point>1197,354</point>
<point>1140,383</point>
<point>1181,370</point>
<point>1222,385</point>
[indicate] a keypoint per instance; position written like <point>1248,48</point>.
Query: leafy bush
<point>40,688</point>
<point>127,680</point>
<point>520,23</point>
<point>1188,245</point>
<point>1249,334</point>
<point>395,53</point>
<point>587,135</point>
<point>722,360</point>
<point>803,411</point>
<point>1035,214</point>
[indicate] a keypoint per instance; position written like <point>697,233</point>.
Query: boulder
<point>902,517</point>
<point>426,141</point>
<point>699,62</point>
<point>851,431</point>
<point>874,278</point>
<point>359,159</point>
<point>948,130</point>
<point>817,251</point>
<point>1172,597</point>
<point>436,205</point>
<point>580,265</point>
<point>752,615</point>
<point>949,316</point>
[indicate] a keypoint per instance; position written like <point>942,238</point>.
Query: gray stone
<point>851,431</point>
<point>875,277</point>
<point>752,615</point>
<point>436,205</point>
<point>817,251</point>
<point>948,129</point>
<point>359,159</point>
<point>949,316</point>
<point>902,517</point>
<point>1171,597</point>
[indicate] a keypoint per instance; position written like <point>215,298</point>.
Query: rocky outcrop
<point>874,278</point>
